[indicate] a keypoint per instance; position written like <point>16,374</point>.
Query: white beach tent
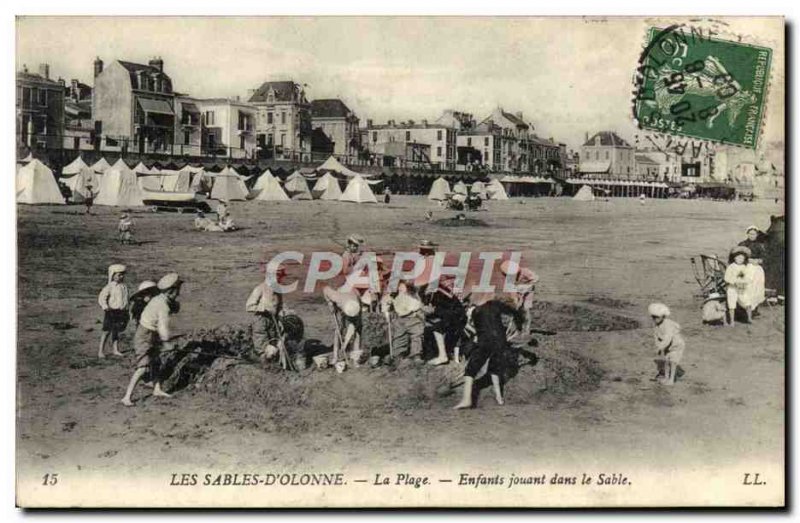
<point>358,191</point>
<point>177,181</point>
<point>228,186</point>
<point>101,166</point>
<point>585,194</point>
<point>141,168</point>
<point>479,188</point>
<point>327,188</point>
<point>268,189</point>
<point>74,167</point>
<point>460,188</point>
<point>119,187</point>
<point>496,190</point>
<point>439,189</point>
<point>79,184</point>
<point>36,184</point>
<point>296,187</point>
<point>332,164</point>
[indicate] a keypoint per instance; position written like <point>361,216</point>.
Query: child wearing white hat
<point>669,343</point>
<point>113,299</point>
<point>153,335</point>
<point>125,229</point>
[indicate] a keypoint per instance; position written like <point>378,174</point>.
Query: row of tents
<point>120,185</point>
<point>494,190</point>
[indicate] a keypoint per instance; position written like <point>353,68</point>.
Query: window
<point>374,136</point>
<point>26,96</point>
<point>469,141</point>
<point>486,141</point>
<point>270,139</point>
<point>43,97</point>
<point>408,136</point>
<point>187,135</point>
<point>283,117</point>
<point>438,150</point>
<point>283,138</point>
<point>208,117</point>
<point>606,155</point>
<point>241,142</point>
<point>269,118</point>
<point>439,134</point>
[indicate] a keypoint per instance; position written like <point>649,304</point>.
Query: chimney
<point>24,68</point>
<point>62,82</point>
<point>98,66</point>
<point>44,70</point>
<point>369,122</point>
<point>586,137</point>
<point>425,123</point>
<point>157,63</point>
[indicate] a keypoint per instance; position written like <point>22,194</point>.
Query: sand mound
<point>460,222</point>
<point>536,372</point>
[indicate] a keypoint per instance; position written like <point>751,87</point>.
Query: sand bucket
<point>340,366</point>
<point>374,361</point>
<point>321,361</point>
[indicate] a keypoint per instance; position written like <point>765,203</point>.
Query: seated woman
<point>758,252</point>
<point>739,277</point>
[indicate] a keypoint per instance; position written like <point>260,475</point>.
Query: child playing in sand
<point>669,343</point>
<point>113,299</point>
<point>125,229</point>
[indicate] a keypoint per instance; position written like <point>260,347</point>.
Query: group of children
<point>224,221</point>
<point>149,308</point>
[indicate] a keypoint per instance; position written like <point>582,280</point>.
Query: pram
<point>709,271</point>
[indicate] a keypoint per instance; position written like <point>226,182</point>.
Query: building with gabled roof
<point>605,153</point>
<point>339,124</point>
<point>133,106</point>
<point>283,122</point>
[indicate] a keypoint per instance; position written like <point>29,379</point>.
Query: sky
<point>568,76</point>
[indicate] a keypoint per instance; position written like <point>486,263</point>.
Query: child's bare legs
<point>466,394</point>
<point>673,370</point>
<point>498,392</point>
<point>159,392</point>
<point>731,313</point>
<point>660,366</point>
<point>103,339</point>
<point>749,311</point>
<point>115,344</point>
<point>137,375</point>
<point>442,357</point>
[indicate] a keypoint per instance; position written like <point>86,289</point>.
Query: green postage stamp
<point>691,83</point>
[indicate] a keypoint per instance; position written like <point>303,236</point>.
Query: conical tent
<point>439,189</point>
<point>101,166</point>
<point>80,183</point>
<point>585,194</point>
<point>119,187</point>
<point>327,188</point>
<point>460,188</point>
<point>358,191</point>
<point>296,187</point>
<point>176,181</point>
<point>74,167</point>
<point>121,165</point>
<point>36,184</point>
<point>332,164</point>
<point>141,168</point>
<point>269,189</point>
<point>479,188</point>
<point>496,190</point>
<point>228,187</point>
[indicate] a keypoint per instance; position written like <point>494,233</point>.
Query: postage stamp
<point>692,84</point>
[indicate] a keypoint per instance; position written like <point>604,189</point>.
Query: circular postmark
<point>689,82</point>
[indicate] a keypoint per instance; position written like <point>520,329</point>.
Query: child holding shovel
<point>346,310</point>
